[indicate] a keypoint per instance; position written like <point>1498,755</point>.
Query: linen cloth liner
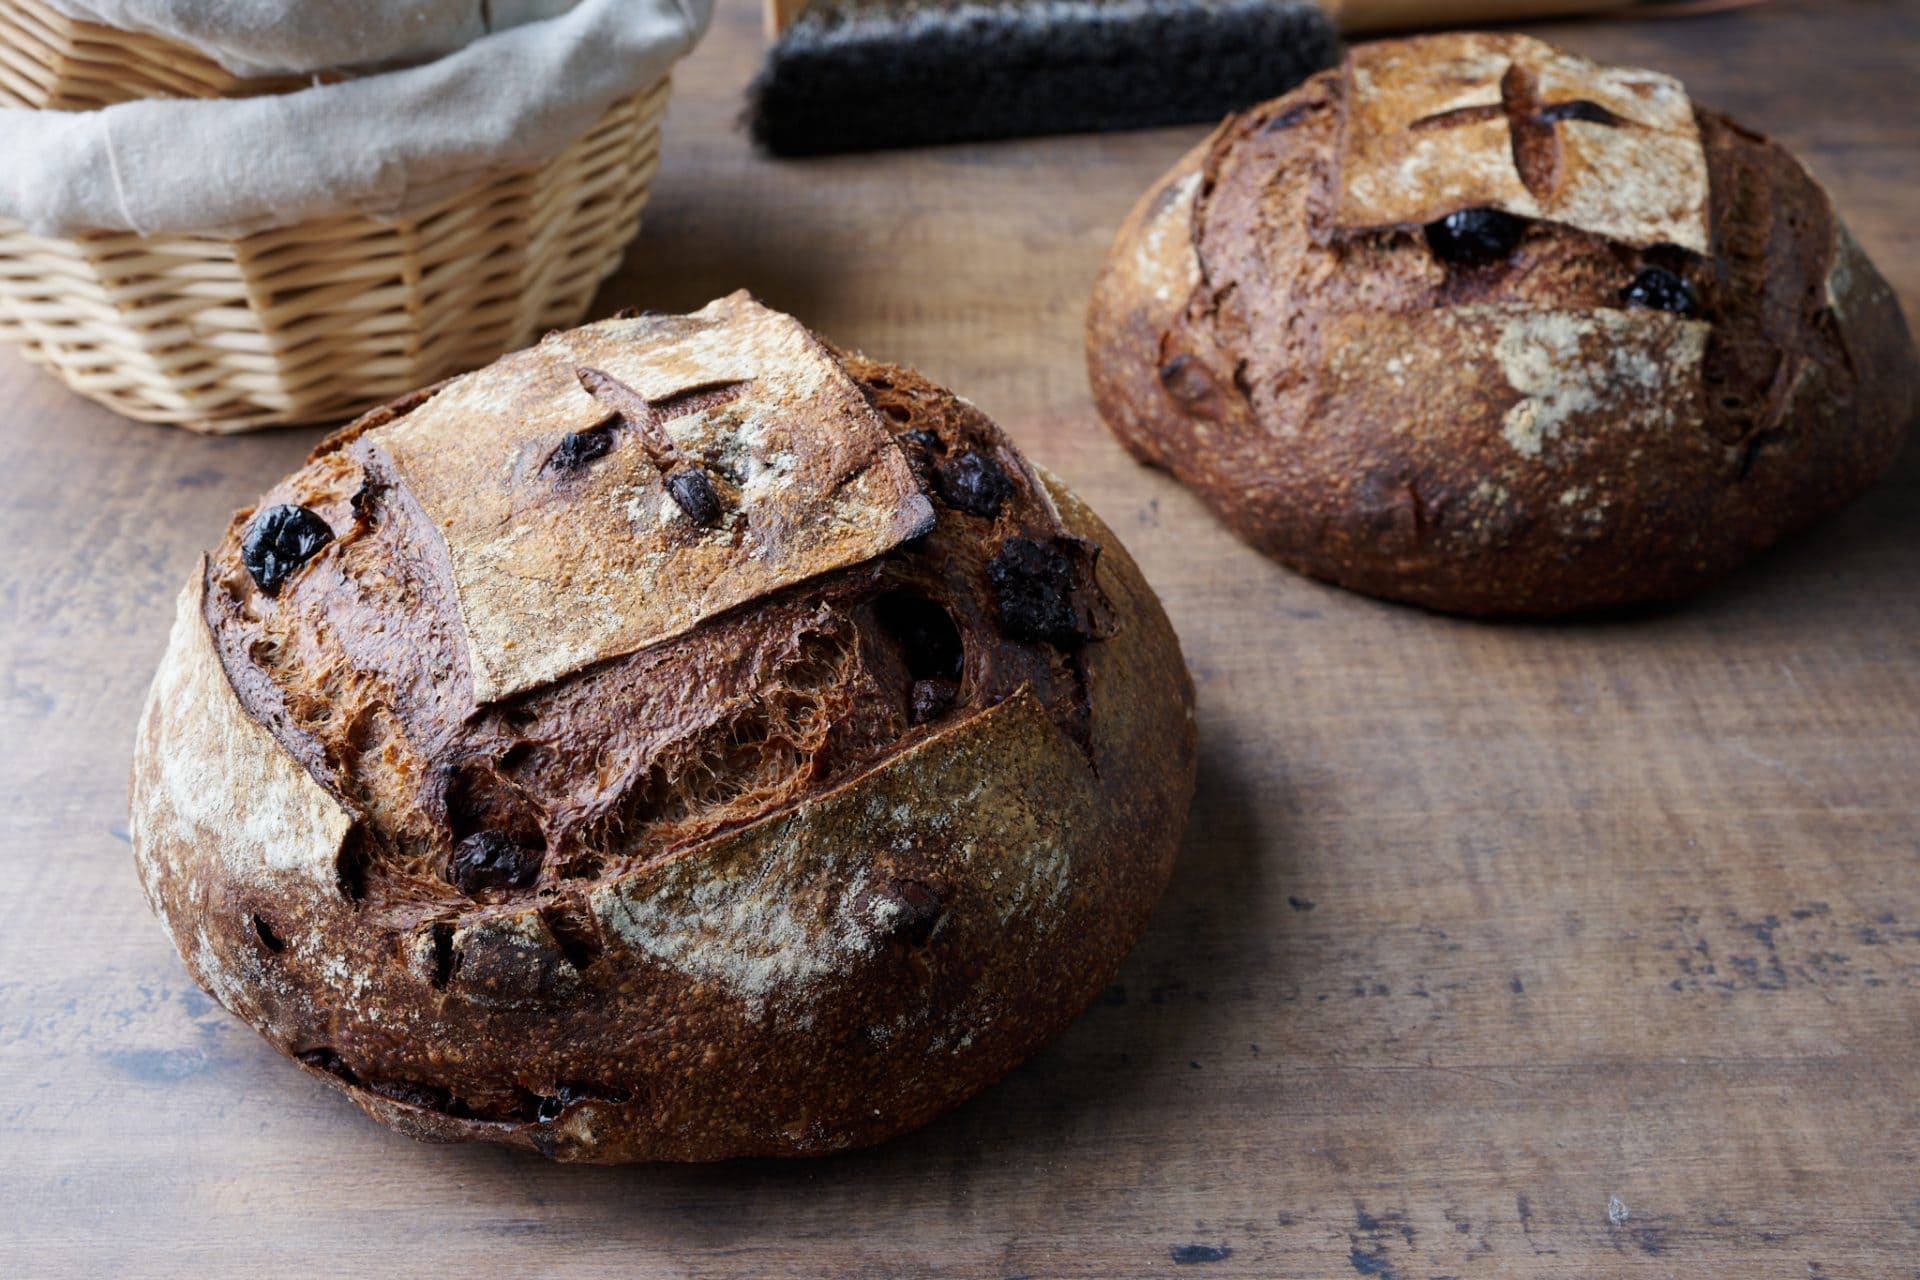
<point>381,145</point>
<point>281,37</point>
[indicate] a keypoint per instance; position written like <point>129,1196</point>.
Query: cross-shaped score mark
<point>686,479</point>
<point>648,418</point>
<point>1532,124</point>
<point>1548,137</point>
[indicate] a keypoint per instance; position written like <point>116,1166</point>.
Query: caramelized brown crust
<point>362,671</point>
<point>1508,438</point>
<point>808,872</point>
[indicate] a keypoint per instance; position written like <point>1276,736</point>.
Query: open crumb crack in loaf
<point>680,739</point>
<point>1480,325</point>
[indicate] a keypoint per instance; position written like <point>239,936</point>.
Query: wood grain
<point>1494,950</point>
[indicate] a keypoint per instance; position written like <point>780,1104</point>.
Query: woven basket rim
<point>318,321</point>
<point>119,168</point>
<point>299,235</point>
<point>51,61</point>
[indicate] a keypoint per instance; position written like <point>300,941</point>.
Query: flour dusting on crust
<point>1568,365</point>
<point>1170,276</point>
<point>1431,129</point>
<point>779,911</point>
<point>557,571</point>
<point>218,779</point>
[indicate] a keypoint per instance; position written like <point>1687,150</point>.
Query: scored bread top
<point>562,658</point>
<point>1483,120</point>
<point>1485,327</point>
<point>556,571</point>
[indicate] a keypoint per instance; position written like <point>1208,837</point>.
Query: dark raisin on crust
<point>1657,289</point>
<point>279,541</point>
<point>973,483</point>
<point>490,860</point>
<point>694,494</point>
<point>1034,586</point>
<point>365,499</point>
<point>1475,237</point>
<point>923,449</point>
<point>577,448</point>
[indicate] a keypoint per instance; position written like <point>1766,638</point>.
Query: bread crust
<point>1513,438</point>
<point>838,956</point>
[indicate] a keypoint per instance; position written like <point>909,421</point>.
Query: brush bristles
<point>865,76</point>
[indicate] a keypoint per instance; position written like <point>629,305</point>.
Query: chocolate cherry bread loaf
<point>677,740</point>
<point>1476,324</point>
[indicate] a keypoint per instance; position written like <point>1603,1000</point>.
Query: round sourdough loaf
<point>677,740</point>
<point>1476,324</point>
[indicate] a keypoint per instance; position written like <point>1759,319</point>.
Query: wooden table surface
<point>1493,950</point>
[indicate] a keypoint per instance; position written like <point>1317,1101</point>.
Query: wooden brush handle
<point>1426,15</point>
<point>1374,15</point>
<point>781,14</point>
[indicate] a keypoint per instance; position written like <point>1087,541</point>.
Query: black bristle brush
<point>859,75</point>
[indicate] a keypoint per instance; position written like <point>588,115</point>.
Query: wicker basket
<point>318,320</point>
<point>55,63</point>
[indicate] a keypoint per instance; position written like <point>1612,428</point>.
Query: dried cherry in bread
<point>279,541</point>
